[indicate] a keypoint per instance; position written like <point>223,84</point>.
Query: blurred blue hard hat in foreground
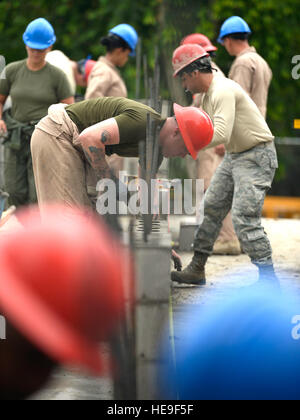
<point>245,348</point>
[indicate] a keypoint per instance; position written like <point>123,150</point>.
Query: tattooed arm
<point>93,141</point>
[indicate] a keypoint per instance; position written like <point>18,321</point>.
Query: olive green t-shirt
<point>131,117</point>
<point>32,92</point>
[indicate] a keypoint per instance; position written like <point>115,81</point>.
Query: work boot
<point>227,248</point>
<point>194,273</point>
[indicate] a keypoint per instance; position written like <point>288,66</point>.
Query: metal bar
<point>150,134</point>
<point>151,91</point>
<point>157,86</point>
<point>138,69</point>
<point>155,154</point>
<point>142,153</point>
<point>146,86</point>
<point>288,141</point>
<point>149,147</point>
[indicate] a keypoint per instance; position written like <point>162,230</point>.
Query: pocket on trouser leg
<point>255,236</point>
<point>257,245</point>
<point>266,157</point>
<point>272,153</point>
<point>273,161</point>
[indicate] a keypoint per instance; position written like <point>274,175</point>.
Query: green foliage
<point>79,26</point>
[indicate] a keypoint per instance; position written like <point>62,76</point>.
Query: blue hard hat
<point>245,348</point>
<point>233,25</point>
<point>39,34</point>
<point>128,34</point>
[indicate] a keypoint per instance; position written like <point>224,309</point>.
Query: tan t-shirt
<point>253,73</point>
<point>238,124</point>
<point>105,80</point>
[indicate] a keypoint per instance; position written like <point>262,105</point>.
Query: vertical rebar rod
<point>149,150</point>
<point>138,69</point>
<point>142,153</point>
<point>156,87</point>
<point>145,65</point>
<point>151,93</point>
<point>155,154</point>
<point>149,146</point>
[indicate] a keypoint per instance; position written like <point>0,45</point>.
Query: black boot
<point>194,273</point>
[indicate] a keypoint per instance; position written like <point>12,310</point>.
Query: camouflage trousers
<point>240,185</point>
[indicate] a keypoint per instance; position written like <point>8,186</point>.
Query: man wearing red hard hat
<point>209,160</point>
<point>246,173</point>
<point>58,298</point>
<point>205,43</point>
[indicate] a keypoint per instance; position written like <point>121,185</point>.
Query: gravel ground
<point>226,274</point>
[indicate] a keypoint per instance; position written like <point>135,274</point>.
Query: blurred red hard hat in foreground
<point>61,284</point>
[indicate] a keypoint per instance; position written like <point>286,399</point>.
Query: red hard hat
<point>195,127</point>
<point>89,65</point>
<point>201,40</point>
<point>186,55</point>
<point>61,284</point>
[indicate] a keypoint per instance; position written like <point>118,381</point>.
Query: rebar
<point>146,86</point>
<point>138,69</point>
<point>149,150</point>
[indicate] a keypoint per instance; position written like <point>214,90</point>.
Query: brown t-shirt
<point>105,80</point>
<point>131,117</point>
<point>253,73</point>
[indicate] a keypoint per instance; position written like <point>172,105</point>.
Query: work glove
<point>177,261</point>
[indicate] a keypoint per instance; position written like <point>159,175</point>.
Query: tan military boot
<point>194,273</point>
<point>227,248</point>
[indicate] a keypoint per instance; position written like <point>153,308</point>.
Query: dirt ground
<point>227,273</point>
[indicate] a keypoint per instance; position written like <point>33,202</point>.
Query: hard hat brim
<point>46,331</point>
<point>211,48</point>
<point>37,45</point>
<point>184,132</point>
